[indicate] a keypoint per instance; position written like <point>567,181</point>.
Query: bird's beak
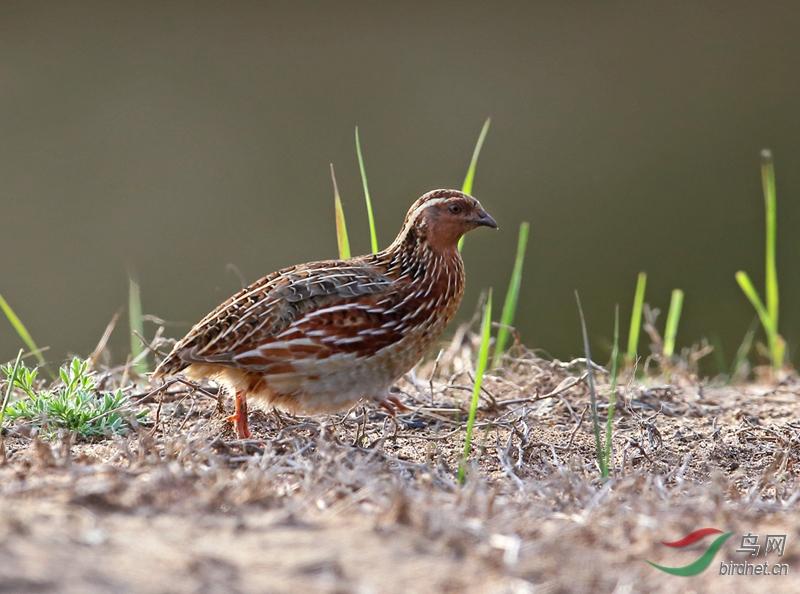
<point>484,219</point>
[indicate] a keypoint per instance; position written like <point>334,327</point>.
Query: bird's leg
<point>393,404</point>
<point>239,416</point>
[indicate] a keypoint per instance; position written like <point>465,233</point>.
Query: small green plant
<point>768,314</point>
<point>673,319</point>
<point>512,296</point>
<point>612,397</point>
<point>72,404</point>
<point>342,239</point>
<point>469,179</point>
<point>23,333</point>
<point>373,236</point>
<point>636,318</point>
<point>136,323</point>
<point>480,370</point>
<point>600,453</point>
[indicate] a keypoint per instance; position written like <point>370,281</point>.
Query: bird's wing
<point>312,311</point>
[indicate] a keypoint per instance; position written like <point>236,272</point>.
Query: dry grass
<point>362,502</point>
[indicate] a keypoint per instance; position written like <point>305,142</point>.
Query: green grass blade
<point>512,296</point>
<point>778,352</point>
<point>373,236</point>
<point>12,378</point>
<point>775,342</point>
<point>136,321</point>
<point>770,207</point>
<point>673,318</point>
<point>777,346</point>
<point>480,369</point>
<point>601,460</point>
<point>342,239</point>
<point>612,396</point>
<point>752,295</point>
<point>23,333</point>
<point>636,316</point>
<point>469,178</point>
<point>768,313</point>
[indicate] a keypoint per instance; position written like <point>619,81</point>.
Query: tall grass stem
<point>469,178</point>
<point>136,323</point>
<point>673,319</point>
<point>11,379</point>
<point>612,397</point>
<point>373,235</point>
<point>512,296</point>
<point>770,248</point>
<point>342,239</point>
<point>768,311</point>
<point>636,317</point>
<point>23,334</point>
<point>601,459</point>
<point>480,370</point>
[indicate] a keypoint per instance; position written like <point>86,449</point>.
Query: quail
<point>317,337</point>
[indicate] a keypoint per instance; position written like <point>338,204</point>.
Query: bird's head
<point>442,217</point>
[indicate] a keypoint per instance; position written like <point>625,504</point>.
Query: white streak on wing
<point>357,274</point>
<point>419,309</point>
<point>264,303</point>
<point>405,300</point>
<point>348,340</point>
<point>428,290</point>
<point>373,332</point>
<point>331,309</point>
<point>378,285</point>
<point>287,344</point>
<point>248,354</point>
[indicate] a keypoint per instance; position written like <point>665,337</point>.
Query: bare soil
<point>363,502</point>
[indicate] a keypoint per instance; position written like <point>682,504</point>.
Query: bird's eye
<point>455,208</point>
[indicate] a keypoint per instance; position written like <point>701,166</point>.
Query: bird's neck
<point>439,269</point>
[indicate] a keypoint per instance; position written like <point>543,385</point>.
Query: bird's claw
<point>392,404</point>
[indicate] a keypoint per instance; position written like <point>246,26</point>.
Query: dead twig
<point>566,384</point>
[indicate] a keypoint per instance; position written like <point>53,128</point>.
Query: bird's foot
<point>393,405</point>
<point>239,416</point>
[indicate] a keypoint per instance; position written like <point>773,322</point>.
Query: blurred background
<point>189,144</point>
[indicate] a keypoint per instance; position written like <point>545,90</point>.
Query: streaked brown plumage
<point>317,337</point>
